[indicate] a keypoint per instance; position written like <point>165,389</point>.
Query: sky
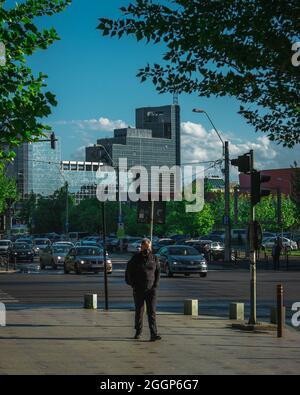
<point>94,79</point>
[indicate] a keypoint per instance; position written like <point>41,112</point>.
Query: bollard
<point>280,310</point>
<point>273,315</point>
<point>237,311</point>
<point>90,301</point>
<point>191,307</point>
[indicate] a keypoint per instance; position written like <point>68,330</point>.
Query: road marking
<point>6,298</point>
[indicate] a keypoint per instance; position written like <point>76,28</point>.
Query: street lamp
<point>201,111</point>
<point>227,187</point>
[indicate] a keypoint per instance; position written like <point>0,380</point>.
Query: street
<point>55,289</point>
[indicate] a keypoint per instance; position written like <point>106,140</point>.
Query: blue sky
<point>94,78</point>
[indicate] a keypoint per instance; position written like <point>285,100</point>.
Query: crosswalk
<point>6,298</point>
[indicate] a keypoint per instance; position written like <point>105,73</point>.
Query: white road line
<point>6,298</point>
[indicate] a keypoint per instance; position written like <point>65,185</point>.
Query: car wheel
<point>168,272</point>
<point>203,275</point>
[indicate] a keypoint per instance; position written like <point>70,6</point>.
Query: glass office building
<point>154,142</point>
<point>39,169</point>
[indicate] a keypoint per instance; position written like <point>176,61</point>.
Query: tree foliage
<point>8,190</point>
<point>266,211</point>
<point>238,48</point>
<point>23,99</point>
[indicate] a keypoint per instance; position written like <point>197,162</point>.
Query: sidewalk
<point>60,341</point>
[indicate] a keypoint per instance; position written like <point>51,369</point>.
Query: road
<point>55,289</point>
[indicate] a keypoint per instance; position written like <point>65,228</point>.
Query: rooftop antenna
<point>175,98</point>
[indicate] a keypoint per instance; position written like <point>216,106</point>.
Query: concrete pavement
<point>78,341</point>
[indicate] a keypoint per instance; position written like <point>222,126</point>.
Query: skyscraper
<point>154,142</point>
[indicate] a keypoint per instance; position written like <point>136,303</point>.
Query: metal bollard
<point>279,310</point>
<point>236,311</point>
<point>191,307</point>
<point>90,301</point>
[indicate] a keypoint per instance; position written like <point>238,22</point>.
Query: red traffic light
<point>256,191</point>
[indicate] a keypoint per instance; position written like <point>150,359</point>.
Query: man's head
<point>146,245</point>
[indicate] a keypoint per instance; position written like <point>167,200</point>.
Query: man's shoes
<point>137,336</point>
<point>155,338</point>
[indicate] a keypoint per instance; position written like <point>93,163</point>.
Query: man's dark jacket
<point>143,272</point>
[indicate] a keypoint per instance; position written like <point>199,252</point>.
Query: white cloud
<point>199,144</point>
<point>100,125</point>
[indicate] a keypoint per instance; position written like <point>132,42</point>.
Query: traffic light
<point>243,163</point>
<point>53,140</point>
<point>256,191</point>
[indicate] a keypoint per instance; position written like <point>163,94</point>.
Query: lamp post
<point>227,223</point>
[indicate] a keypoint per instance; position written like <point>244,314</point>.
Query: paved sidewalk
<point>78,341</point>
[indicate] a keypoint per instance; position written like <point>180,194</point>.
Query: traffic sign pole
<point>252,319</point>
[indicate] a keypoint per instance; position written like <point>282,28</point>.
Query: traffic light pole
<point>151,220</point>
<point>67,209</point>
<point>227,205</point>
<point>252,319</point>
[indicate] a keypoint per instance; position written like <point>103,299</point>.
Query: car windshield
<point>183,251</point>
<point>4,243</point>
<point>61,249</point>
<point>21,246</point>
<point>89,251</point>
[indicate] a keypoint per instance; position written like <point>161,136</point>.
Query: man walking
<point>142,274</point>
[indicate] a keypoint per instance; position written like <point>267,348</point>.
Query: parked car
<point>86,259</point>
<point>27,240</point>
<point>212,250</point>
<point>135,246</point>
<point>54,256</point>
<point>112,244</point>
<point>211,238</point>
<point>58,243</point>
<point>181,259</point>
<point>76,236</point>
<point>162,243</point>
<point>21,252</point>
<point>40,244</point>
<point>286,243</point>
<point>177,238</point>
<point>268,234</point>
<point>4,246</point>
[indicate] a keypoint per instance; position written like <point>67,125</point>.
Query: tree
<point>8,190</point>
<point>296,189</point>
<point>238,48</point>
<point>178,221</point>
<point>23,99</point>
<point>266,211</point>
<point>47,214</point>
